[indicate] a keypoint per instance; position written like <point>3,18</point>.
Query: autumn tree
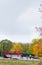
<point>17,47</point>
<point>37,48</point>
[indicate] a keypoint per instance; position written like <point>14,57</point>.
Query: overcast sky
<point>18,19</point>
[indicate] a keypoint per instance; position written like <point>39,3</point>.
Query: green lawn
<point>18,62</point>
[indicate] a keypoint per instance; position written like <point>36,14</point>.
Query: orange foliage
<point>16,48</point>
<point>37,49</point>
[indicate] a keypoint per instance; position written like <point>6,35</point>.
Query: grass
<point>40,63</point>
<point>19,62</point>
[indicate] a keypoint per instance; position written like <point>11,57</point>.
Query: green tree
<point>25,48</point>
<point>1,47</point>
<point>34,41</point>
<point>6,44</point>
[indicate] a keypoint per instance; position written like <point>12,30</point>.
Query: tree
<point>39,30</point>
<point>1,47</point>
<point>34,41</point>
<point>40,9</point>
<point>17,47</point>
<point>30,49</point>
<point>26,48</point>
<point>37,48</point>
<point>7,44</point>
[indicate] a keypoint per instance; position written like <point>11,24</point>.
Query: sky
<point>18,19</point>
